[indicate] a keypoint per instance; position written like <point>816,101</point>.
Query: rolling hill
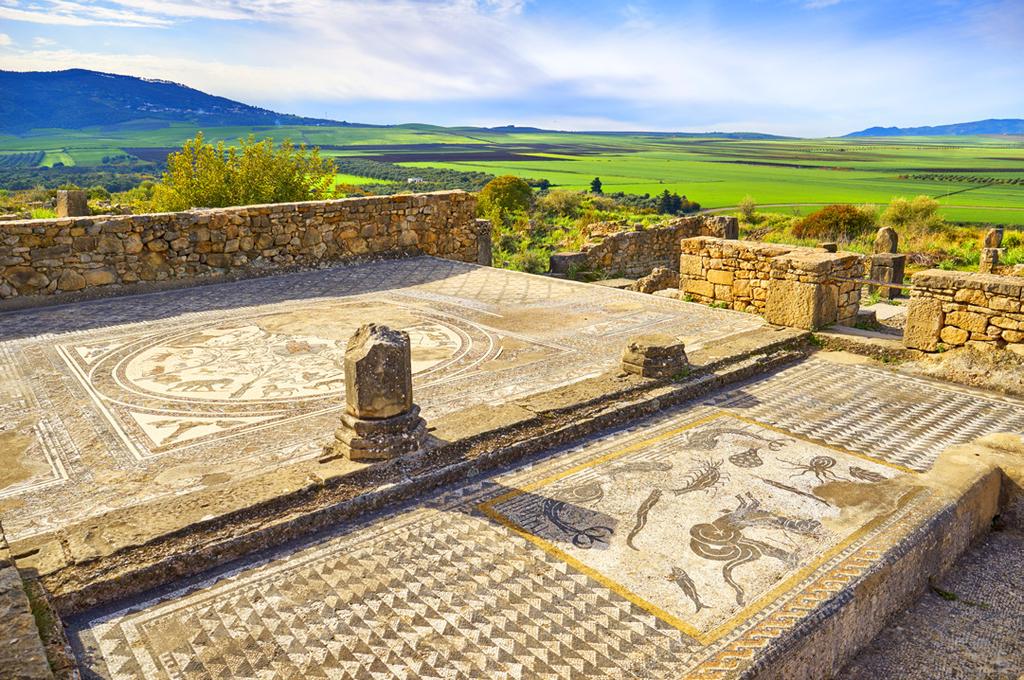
<point>990,126</point>
<point>77,98</point>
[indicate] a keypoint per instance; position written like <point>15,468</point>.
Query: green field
<point>980,179</point>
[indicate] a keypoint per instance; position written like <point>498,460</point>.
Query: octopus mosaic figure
<point>723,540</point>
<point>819,466</point>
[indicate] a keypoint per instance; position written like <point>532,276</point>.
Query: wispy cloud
<point>5,40</point>
<point>39,41</point>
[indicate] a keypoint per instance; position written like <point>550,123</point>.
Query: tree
<point>213,176</point>
<point>747,207</point>
<point>504,197</point>
<point>595,185</point>
<point>836,223</point>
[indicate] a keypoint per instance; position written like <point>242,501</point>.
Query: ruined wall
<point>64,255</point>
<point>788,285</point>
<point>985,311</point>
<point>638,252</point>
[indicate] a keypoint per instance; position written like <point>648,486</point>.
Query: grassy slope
<point>713,172</point>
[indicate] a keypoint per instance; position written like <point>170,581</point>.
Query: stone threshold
<point>129,551</point>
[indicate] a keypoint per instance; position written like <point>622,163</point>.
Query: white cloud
<point>39,41</point>
<point>5,40</point>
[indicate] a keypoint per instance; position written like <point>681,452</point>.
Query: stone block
<point>801,305</point>
<point>70,280</point>
<point>886,241</point>
<point>697,287</point>
<point>655,355</point>
<point>691,265</point>
<point>969,321</point>
<point>72,203</point>
<point>924,324</point>
<point>720,277</point>
<point>951,335</point>
<point>378,372</point>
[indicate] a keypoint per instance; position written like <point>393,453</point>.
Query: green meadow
<point>975,179</point>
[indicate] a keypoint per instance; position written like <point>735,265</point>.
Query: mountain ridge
<point>92,98</point>
<point>989,126</point>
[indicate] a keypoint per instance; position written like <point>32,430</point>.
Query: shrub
<point>561,203</point>
<point>747,207</point>
<point>503,197</point>
<point>917,215</point>
<point>204,175</point>
<point>835,222</point>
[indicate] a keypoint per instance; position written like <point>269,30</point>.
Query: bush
<point>208,176</point>
<point>560,203</point>
<point>747,207</point>
<point>503,197</point>
<point>917,215</point>
<point>835,223</point>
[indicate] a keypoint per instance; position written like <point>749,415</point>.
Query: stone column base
<point>362,439</point>
<point>655,355</point>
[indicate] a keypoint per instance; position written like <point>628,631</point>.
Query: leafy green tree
<point>503,198</point>
<point>212,176</point>
<point>595,185</point>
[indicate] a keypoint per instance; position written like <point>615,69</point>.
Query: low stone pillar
<point>925,319</point>
<point>72,203</point>
<point>993,238</point>
<point>989,261</point>
<point>886,241</point>
<point>655,355</point>
<point>887,268</point>
<point>380,420</point>
<point>483,243</point>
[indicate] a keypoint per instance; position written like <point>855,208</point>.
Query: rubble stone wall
<point>636,253</point>
<point>955,309</point>
<point>789,285</point>
<point>79,254</point>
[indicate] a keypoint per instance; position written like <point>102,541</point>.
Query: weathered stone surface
<point>887,268</point>
<point>924,324</point>
<point>636,251</point>
<point>22,656</point>
<point>886,241</point>
<point>72,203</point>
<point>71,280</point>
<point>655,355</point>
<point>951,335</point>
<point>988,262</point>
<point>378,372</point>
<point>240,241</point>
<point>800,305</point>
<point>829,246</point>
<point>993,238</point>
<point>659,279</point>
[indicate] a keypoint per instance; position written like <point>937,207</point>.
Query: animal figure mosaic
<point>582,537</point>
<point>704,477</point>
<point>723,540</point>
<point>819,466</point>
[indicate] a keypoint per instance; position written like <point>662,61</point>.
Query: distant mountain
<point>992,126</point>
<point>77,98</point>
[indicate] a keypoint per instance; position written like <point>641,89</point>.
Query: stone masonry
<point>55,256</point>
<point>984,311</point>
<point>636,253</point>
<point>790,286</point>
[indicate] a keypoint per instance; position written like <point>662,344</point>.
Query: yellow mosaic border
<point>727,626</point>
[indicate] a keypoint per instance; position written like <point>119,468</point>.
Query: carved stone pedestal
<point>380,421</point>
<point>655,355</point>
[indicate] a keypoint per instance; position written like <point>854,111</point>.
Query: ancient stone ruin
<point>380,420</point>
<point>740,478</point>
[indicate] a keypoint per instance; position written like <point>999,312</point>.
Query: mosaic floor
<point>670,548</point>
<point>123,400</point>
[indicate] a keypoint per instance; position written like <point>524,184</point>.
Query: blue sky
<point>799,67</point>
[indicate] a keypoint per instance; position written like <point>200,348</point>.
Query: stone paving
<point>674,547</point>
<point>972,630</point>
<point>119,401</point>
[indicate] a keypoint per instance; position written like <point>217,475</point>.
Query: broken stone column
<point>483,243</point>
<point>993,239</point>
<point>887,241</point>
<point>655,355</point>
<point>989,261</point>
<point>72,203</point>
<point>380,420</point>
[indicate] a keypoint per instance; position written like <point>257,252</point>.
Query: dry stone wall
<point>638,252</point>
<point>788,285</point>
<point>955,309</point>
<point>82,254</point>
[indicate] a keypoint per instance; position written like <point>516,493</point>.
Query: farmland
<point>975,179</point>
